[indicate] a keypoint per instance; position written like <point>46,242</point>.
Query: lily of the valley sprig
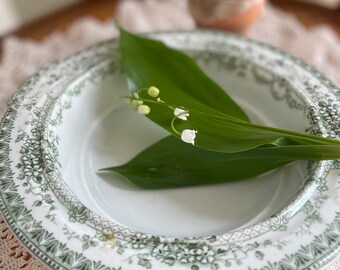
<point>137,100</point>
<point>219,140</point>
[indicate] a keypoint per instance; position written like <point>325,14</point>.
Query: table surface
<point>308,14</point>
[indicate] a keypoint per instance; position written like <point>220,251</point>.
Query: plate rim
<point>321,78</point>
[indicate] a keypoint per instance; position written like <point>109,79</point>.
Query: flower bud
<point>153,91</point>
<point>144,109</point>
<point>137,102</point>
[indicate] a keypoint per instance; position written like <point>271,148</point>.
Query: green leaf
<point>225,142</point>
<point>149,62</point>
<point>171,163</point>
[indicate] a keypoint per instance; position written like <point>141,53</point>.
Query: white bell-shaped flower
<point>188,136</point>
<point>181,114</point>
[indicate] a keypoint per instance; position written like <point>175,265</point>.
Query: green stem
<point>173,127</point>
<point>297,135</point>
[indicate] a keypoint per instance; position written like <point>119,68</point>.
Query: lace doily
<point>22,58</point>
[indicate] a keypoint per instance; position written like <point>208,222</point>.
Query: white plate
<point>68,121</point>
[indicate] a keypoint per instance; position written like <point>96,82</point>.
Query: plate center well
<point>110,134</point>
<point>195,211</point>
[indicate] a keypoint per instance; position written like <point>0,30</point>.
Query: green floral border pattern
<point>333,228</point>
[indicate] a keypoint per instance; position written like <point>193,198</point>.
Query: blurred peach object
<point>231,15</point>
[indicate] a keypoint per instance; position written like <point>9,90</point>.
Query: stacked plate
<point>68,121</point>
